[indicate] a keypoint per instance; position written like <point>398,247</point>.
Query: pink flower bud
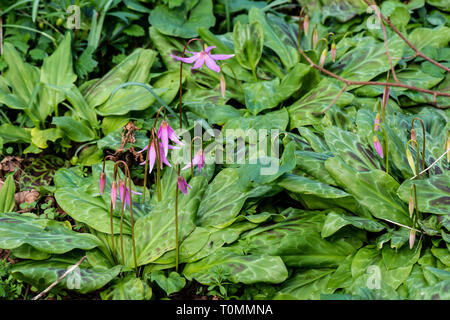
<point>378,147</point>
<point>315,37</point>
<point>114,194</point>
<point>306,24</point>
<point>102,182</point>
<point>412,238</point>
<point>377,122</point>
<point>333,51</point>
<point>222,85</point>
<point>413,134</point>
<point>323,56</point>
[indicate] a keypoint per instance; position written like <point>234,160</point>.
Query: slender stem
<point>158,166</point>
<point>436,161</point>
<point>131,218</point>
<point>176,223</point>
<point>387,149</point>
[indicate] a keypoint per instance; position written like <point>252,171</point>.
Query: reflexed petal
<point>187,59</point>
<point>163,134</point>
<point>208,50</point>
<point>211,64</point>
<point>221,56</point>
<point>182,184</point>
<point>199,63</point>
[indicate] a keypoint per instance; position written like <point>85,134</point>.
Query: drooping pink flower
<point>378,147</point>
<point>102,182</point>
<point>152,156</point>
<point>166,133</point>
<point>114,194</point>
<point>198,160</point>
<point>124,193</point>
<point>182,184</point>
<point>377,122</point>
<point>204,57</point>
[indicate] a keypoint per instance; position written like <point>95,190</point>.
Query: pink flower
<point>378,146</point>
<point>223,85</point>
<point>333,52</point>
<point>412,238</point>
<point>198,160</point>
<point>377,122</point>
<point>102,182</point>
<point>124,193</point>
<point>152,156</point>
<point>182,184</point>
<point>203,57</point>
<point>114,194</point>
<point>165,133</point>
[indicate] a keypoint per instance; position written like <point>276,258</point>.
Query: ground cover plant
<point>224,149</point>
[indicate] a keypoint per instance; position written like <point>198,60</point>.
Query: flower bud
<point>315,37</point>
<point>412,238</point>
<point>378,147</point>
<point>411,206</point>
<point>114,194</point>
<point>323,56</point>
<point>306,24</point>
<point>377,122</point>
<point>102,182</point>
<point>333,51</point>
<point>413,134</point>
<point>410,160</point>
<point>222,85</point>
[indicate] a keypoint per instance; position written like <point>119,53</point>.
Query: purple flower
<point>182,184</point>
<point>165,133</point>
<point>377,122</point>
<point>204,57</point>
<point>124,193</point>
<point>102,182</point>
<point>198,160</point>
<point>114,194</point>
<point>378,147</point>
<point>152,156</point>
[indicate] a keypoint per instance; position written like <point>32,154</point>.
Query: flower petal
<point>208,50</point>
<point>221,56</point>
<point>199,63</point>
<point>211,64</point>
<point>186,60</point>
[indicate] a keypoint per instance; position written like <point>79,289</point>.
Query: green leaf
<point>7,191</point>
<point>436,38</point>
<point>374,190</point>
<point>57,70</point>
<point>44,235</point>
<point>271,120</point>
<point>264,95</point>
<point>248,44</point>
<point>129,288</point>
<point>155,233</point>
<point>170,284</point>
<point>78,131</point>
<point>237,268</point>
<point>335,221</point>
<point>433,194</point>
<point>317,100</point>
<point>275,36</point>
<point>40,137</point>
<point>184,20</point>
<point>41,274</point>
<point>86,63</point>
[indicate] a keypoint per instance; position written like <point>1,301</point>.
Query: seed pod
<point>323,57</point>
<point>411,206</point>
<point>222,85</point>
<point>412,238</point>
<point>333,51</point>
<point>306,24</point>
<point>413,134</point>
<point>315,37</point>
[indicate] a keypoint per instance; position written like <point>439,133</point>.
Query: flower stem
<point>176,223</point>
<point>424,140</point>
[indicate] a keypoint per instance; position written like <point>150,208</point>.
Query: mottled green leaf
<point>335,221</point>
<point>129,288</point>
<point>7,191</point>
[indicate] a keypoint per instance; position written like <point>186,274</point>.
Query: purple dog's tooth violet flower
<point>124,193</point>
<point>166,133</point>
<point>152,156</point>
<point>378,147</point>
<point>114,194</point>
<point>204,57</point>
<point>102,182</point>
<point>198,160</point>
<point>182,184</point>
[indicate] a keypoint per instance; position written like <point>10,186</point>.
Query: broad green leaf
<point>368,59</point>
<point>237,268</point>
<point>306,285</point>
<point>184,20</point>
<point>214,113</point>
<point>155,233</point>
<point>41,274</point>
<point>135,68</point>
<point>275,36</point>
<point>90,210</point>
<point>170,284</point>
<point>57,70</point>
<point>7,191</point>
<point>271,120</point>
<point>248,44</point>
<point>335,221</point>
<point>78,131</point>
<point>129,288</point>
<point>302,112</point>
<point>45,235</point>
<point>433,194</point>
<point>437,37</point>
<point>264,95</point>
<point>375,190</point>
<point>26,251</point>
<point>313,163</point>
<point>40,137</point>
